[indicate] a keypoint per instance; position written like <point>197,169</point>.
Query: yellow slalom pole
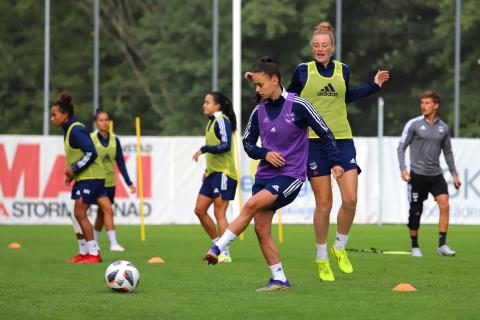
<point>140,178</point>
<point>110,126</point>
<point>237,165</point>
<point>280,226</point>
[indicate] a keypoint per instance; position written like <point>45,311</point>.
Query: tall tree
<point>156,58</point>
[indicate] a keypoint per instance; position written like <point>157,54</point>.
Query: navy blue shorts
<point>318,164</point>
<point>286,188</point>
<point>110,191</point>
<point>218,183</point>
<point>89,190</point>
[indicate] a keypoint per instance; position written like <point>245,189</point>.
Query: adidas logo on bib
<point>275,187</point>
<point>273,130</point>
<point>353,160</point>
<point>328,91</point>
<point>215,190</point>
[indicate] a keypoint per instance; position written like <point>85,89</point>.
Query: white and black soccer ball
<point>122,276</point>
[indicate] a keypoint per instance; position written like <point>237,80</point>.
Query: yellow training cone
<point>156,260</point>
<point>406,287</point>
<point>14,245</point>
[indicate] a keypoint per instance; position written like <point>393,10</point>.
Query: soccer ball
<point>122,276</point>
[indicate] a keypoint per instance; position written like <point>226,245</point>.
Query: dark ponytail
<point>225,106</point>
<point>269,67</point>
<point>64,103</point>
<point>99,112</point>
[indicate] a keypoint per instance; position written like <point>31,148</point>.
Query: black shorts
<point>420,186</point>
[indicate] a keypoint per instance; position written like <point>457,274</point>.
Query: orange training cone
<point>14,245</point>
<point>156,260</point>
<point>405,287</point>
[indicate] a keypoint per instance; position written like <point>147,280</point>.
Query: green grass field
<point>37,283</point>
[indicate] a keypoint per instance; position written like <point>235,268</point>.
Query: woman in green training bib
<point>110,152</point>
<point>220,178</point>
<point>86,170</point>
<point>325,83</point>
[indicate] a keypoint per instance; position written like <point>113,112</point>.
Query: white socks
<point>322,251</point>
<point>341,240</point>
<point>92,247</point>
<point>112,236</point>
<point>82,246</point>
<point>225,240</point>
<point>226,251</point>
<point>277,272</point>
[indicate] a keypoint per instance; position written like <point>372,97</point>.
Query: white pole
<point>338,30</point>
<point>237,93</point>
<point>215,46</point>
<point>96,49</point>
<point>380,160</point>
<point>458,19</point>
<point>46,69</point>
<point>237,63</point>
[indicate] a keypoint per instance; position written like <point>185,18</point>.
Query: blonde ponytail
<point>324,28</point>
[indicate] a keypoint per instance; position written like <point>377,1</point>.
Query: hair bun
<point>324,26</point>
<point>65,97</point>
<point>266,59</point>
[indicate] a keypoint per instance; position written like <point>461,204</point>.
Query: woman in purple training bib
<point>281,120</point>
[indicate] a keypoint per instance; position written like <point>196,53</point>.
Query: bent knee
<point>80,215</point>
<point>324,209</point>
<point>350,202</point>
<point>323,200</point>
<point>251,207</point>
<point>107,212</point>
<point>200,212</point>
<point>222,215</point>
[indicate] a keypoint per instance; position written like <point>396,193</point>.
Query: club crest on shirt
<point>290,117</point>
<point>440,129</point>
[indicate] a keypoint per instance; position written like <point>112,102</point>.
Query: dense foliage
<point>156,58</point>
